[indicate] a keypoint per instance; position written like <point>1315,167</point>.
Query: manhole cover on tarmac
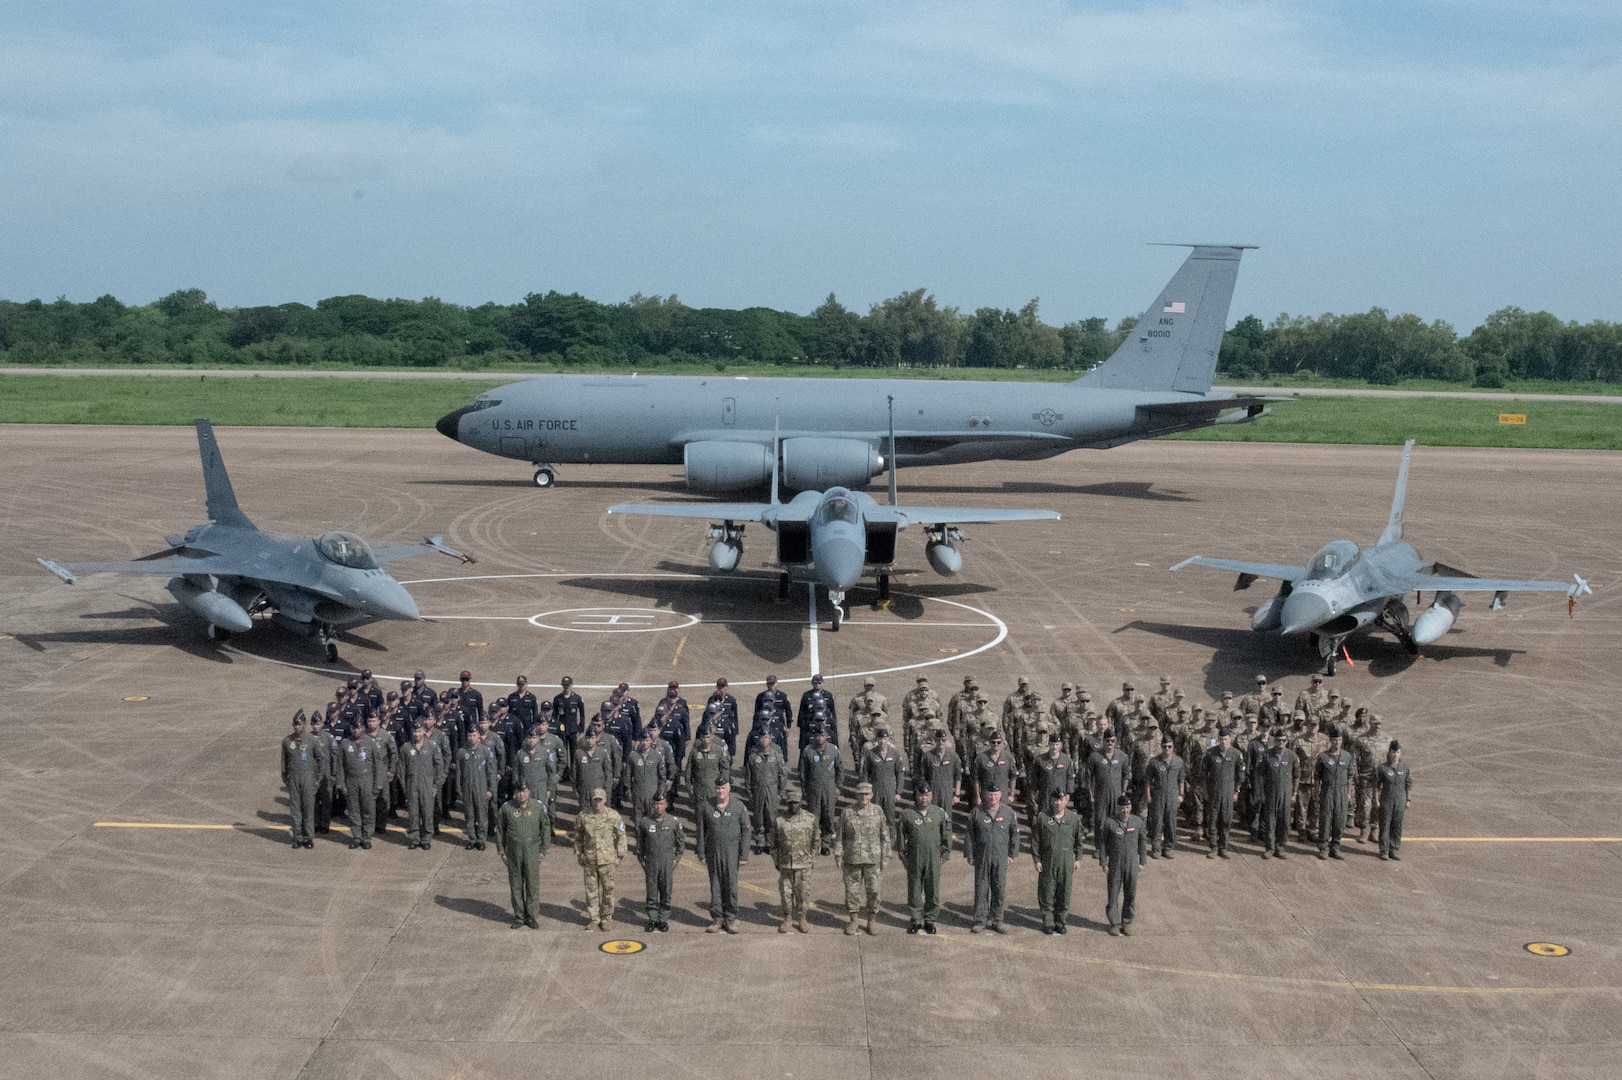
<point>621,948</point>
<point>1547,948</point>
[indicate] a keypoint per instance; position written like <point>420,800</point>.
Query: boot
<point>799,924</point>
<point>1362,834</point>
<point>870,920</point>
<point>785,926</point>
<point>850,927</point>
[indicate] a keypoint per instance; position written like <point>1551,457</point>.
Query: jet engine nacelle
<point>1270,615</point>
<point>946,559</point>
<point>718,467</point>
<point>220,610</point>
<point>1437,619</point>
<point>819,464</point>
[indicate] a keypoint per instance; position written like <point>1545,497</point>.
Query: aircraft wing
<point>169,567</point>
<point>1428,582</point>
<point>407,551</point>
<point>707,511</point>
<point>954,515</point>
<point>1254,569</point>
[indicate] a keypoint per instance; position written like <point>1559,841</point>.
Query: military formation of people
<point>1130,780</point>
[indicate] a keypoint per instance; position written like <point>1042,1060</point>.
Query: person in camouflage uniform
<point>599,847</point>
<point>919,702</point>
<point>1369,745</point>
<point>794,851</point>
<point>864,847</point>
<point>1313,700</point>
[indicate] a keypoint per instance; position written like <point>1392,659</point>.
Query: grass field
<point>340,402</point>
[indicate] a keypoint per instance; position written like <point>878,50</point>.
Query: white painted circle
<point>613,620</point>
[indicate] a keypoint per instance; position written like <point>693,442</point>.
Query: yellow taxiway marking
<point>1514,839</point>
<point>680,645</point>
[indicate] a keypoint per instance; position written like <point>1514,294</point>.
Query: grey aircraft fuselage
<point>226,569</point>
<point>832,431</point>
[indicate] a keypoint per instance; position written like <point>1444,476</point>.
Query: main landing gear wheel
<point>328,642</point>
<point>883,601</point>
<point>545,477</point>
<point>216,634</point>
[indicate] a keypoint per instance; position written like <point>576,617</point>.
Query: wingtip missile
<point>1579,587</point>
<point>438,544</point>
<point>59,571</point>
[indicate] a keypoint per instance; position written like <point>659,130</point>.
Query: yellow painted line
<point>1513,839</point>
<point>680,645</point>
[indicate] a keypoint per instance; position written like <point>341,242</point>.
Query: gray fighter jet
<point>719,429</point>
<point>228,571</point>
<point>831,536</point>
<point>1347,588</point>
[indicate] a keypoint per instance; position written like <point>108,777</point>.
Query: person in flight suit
<point>358,754</point>
<point>478,782</point>
<point>766,773</point>
<point>660,840</point>
<point>925,842</point>
<point>794,850</point>
<point>301,768</point>
<point>1166,783</point>
<point>643,775</point>
<point>593,768</point>
<point>772,711</point>
<point>707,764</point>
<point>817,709</point>
<point>523,837</point>
<point>942,770</point>
<point>423,770</point>
<point>993,844</point>
<point>1224,775</point>
<point>1333,771</point>
<point>537,765</point>
<point>883,766</point>
<point>1124,847</point>
<point>726,847</point>
<point>1393,787</point>
<point>1278,792</point>
<point>1107,774</point>
<point>821,772</point>
<point>1056,843</point>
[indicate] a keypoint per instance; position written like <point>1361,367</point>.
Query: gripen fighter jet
<point>1346,588</point>
<point>227,571</point>
<point>720,431</point>
<point>833,535</point>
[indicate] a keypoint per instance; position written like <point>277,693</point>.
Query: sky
<point>1447,159</point>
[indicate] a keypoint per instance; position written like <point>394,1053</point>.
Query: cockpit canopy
<point>837,506</point>
<point>346,549</point>
<point>1332,560</point>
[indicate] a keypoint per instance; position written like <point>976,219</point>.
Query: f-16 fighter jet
<point>1347,588</point>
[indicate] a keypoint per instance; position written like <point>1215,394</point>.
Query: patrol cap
<point>1317,678</point>
<point>1277,690</point>
<point>922,679</point>
<point>598,793</point>
<point>1128,685</point>
<point>1123,801</point>
<point>868,681</point>
<point>1226,694</point>
<point>1165,681</point>
<point>1024,680</point>
<point>1395,745</point>
<point>465,675</point>
<point>1374,721</point>
<point>864,788</point>
<point>1261,679</point>
<point>968,680</point>
<point>1068,686</point>
<point>982,699</point>
<point>792,794</point>
<point>1333,693</point>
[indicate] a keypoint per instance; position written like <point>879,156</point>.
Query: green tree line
<point>910,330</point>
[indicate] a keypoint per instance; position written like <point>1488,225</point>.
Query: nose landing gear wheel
<point>545,477</point>
<point>837,618</point>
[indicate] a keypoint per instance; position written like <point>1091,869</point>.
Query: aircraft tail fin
<point>1393,525</point>
<point>222,500</point>
<point>1175,344</point>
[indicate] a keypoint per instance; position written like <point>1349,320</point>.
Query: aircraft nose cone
<point>389,600</point>
<point>450,425</point>
<point>839,563</point>
<point>1303,611</point>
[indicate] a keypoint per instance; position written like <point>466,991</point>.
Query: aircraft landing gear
<point>1395,619</point>
<point>545,477</point>
<point>883,601</point>
<point>837,599</point>
<point>328,642</point>
<point>216,634</point>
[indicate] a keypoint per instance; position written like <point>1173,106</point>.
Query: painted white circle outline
<point>534,620</point>
<point>1002,635</point>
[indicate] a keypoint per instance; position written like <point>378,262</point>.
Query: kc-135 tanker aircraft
<point>1346,588</point>
<point>227,570</point>
<point>720,429</point>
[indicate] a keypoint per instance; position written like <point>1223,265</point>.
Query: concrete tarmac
<point>134,950</point>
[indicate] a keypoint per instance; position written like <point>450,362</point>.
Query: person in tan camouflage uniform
<point>864,848</point>
<point>794,851</point>
<point>599,847</point>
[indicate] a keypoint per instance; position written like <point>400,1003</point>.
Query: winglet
<point>1185,562</point>
<point>59,571</point>
<point>438,544</point>
<point>222,501</point>
<point>1393,526</point>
